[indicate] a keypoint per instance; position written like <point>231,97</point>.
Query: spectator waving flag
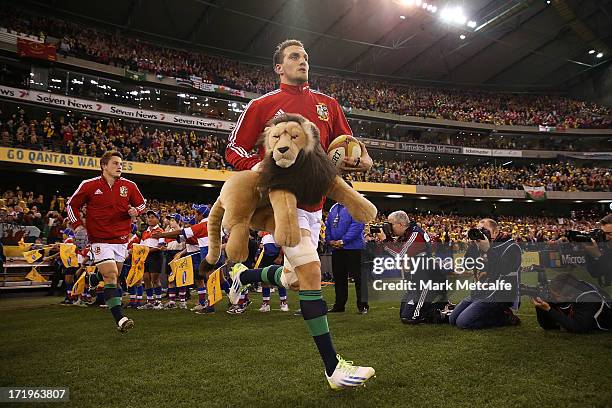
<point>213,287</point>
<point>32,256</point>
<point>535,193</point>
<point>182,269</point>
<point>68,255</point>
<point>139,256</point>
<point>34,276</point>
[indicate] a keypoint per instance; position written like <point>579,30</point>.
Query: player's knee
<point>302,254</point>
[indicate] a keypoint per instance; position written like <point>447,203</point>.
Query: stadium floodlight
<point>462,36</point>
<point>599,54</point>
<point>424,5</point>
<point>394,196</point>
<point>402,17</point>
<point>507,163</point>
<point>423,198</point>
<point>453,15</point>
<point>591,51</point>
<point>471,24</point>
<point>506,200</point>
<point>578,201</point>
<point>208,185</point>
<point>529,201</point>
<point>605,201</point>
<point>49,171</point>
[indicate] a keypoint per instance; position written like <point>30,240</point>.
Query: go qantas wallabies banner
<point>116,110</point>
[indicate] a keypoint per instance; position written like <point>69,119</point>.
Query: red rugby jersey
<point>322,110</point>
<point>108,220</point>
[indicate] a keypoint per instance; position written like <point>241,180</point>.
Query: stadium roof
<point>516,43</point>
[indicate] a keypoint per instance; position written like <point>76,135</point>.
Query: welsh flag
<point>535,193</point>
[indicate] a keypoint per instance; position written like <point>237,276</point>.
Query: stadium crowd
<point>49,215</point>
<point>479,140</point>
<point>91,137</point>
<point>554,177</point>
<point>381,96</point>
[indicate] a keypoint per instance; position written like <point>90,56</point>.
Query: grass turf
<point>177,358</point>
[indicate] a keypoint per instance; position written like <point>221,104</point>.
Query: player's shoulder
<point>264,99</point>
<point>322,96</point>
<point>91,181</point>
<point>87,184</point>
<point>127,182</point>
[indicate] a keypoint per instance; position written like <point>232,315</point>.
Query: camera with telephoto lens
<point>541,290</point>
<point>585,236</point>
<point>384,227</point>
<point>478,234</point>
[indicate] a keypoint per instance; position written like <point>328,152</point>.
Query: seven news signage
<point>99,107</point>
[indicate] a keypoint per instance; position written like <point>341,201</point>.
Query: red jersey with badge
<point>108,220</point>
<point>324,111</point>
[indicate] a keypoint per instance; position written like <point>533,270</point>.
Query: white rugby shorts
<point>109,252</point>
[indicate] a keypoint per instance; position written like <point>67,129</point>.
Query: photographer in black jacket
<point>599,254</point>
<point>502,261</point>
<point>574,305</point>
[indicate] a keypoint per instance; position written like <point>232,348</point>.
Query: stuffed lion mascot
<point>295,170</point>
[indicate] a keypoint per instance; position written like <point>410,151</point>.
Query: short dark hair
<point>107,156</point>
<point>606,220</point>
<point>279,52</point>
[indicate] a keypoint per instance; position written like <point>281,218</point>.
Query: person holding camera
<point>401,237</point>
<point>599,254</point>
<point>345,236</point>
<point>573,305</point>
<point>501,256</point>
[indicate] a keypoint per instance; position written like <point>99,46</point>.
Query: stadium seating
<point>85,136</point>
<point>454,104</point>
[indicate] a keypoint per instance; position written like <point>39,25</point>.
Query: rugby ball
<point>343,146</point>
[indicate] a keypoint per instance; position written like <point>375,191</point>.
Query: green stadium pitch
<point>179,359</point>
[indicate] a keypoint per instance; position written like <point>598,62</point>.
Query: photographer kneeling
<point>599,253</point>
<point>402,237</point>
<point>574,305</point>
<point>502,261</point>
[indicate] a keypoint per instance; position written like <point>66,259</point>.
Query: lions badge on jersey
<point>322,111</point>
<point>123,191</point>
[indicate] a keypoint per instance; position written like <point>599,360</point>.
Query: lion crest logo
<point>322,111</point>
<point>123,191</point>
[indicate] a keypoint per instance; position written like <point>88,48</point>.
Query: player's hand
<point>540,304</point>
<point>380,236</point>
<point>133,212</point>
<point>361,164</point>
